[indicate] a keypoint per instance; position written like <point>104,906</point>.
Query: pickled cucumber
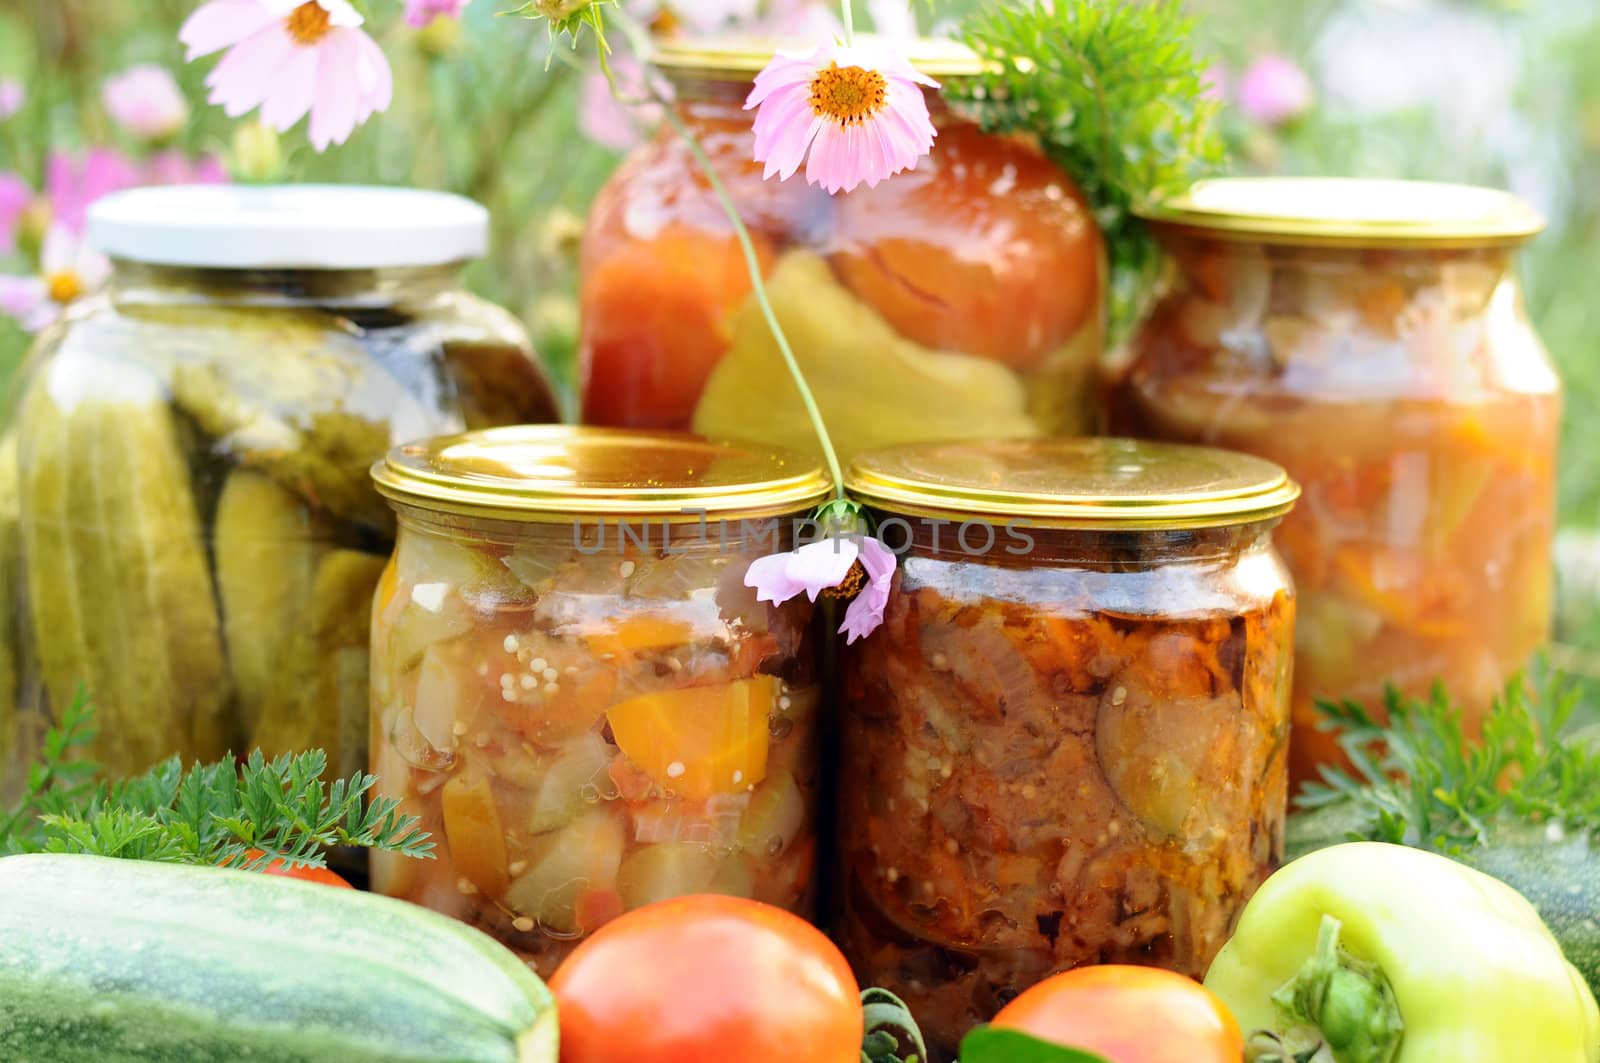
<point>319,698</point>
<point>268,543</point>
<point>875,387</point>
<point>117,580</point>
<point>258,419</point>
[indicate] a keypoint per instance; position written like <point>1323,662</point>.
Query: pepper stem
<point>640,44</point>
<point>1336,1008</point>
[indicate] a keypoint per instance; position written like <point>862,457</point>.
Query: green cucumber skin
<point>106,961</point>
<point>1560,878</point>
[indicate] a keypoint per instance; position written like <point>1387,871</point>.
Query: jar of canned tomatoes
<point>1369,336</point>
<point>1067,743</point>
<point>192,538</point>
<point>960,299</point>
<point>575,691</point>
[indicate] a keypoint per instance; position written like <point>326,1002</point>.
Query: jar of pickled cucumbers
<point>192,537</point>
<point>960,299</point>
<point>1370,337</point>
<point>1067,743</point>
<point>574,690</point>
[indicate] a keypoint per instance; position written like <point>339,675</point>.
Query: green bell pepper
<point>1378,953</point>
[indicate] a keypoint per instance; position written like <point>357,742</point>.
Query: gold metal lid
<point>558,472</point>
<point>1075,483</point>
<point>1349,211</point>
<point>744,57</point>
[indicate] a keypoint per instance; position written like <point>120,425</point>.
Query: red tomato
<point>1128,1014</point>
<point>320,875</point>
<point>704,978</point>
<point>985,248</point>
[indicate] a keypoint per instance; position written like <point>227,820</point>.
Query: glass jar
<point>1370,337</point>
<point>961,299</point>
<point>1066,745</point>
<point>574,690</point>
<point>194,533</point>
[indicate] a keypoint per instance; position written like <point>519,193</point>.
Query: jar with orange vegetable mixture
<point>1370,337</point>
<point>960,299</point>
<point>1067,744</point>
<point>575,691</point>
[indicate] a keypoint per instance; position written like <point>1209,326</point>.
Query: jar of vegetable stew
<point>1066,745</point>
<point>574,689</point>
<point>193,538</point>
<point>1370,337</point>
<point>961,299</point>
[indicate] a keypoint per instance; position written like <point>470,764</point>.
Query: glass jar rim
<point>743,57</point>
<point>554,473</point>
<point>1348,212</point>
<point>1090,483</point>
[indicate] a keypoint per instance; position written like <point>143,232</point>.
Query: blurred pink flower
<point>146,101</point>
<point>68,270</point>
<point>290,58</point>
<point>175,168</point>
<point>1274,90</point>
<point>72,182</point>
<point>1218,82</point>
<point>421,12</point>
<point>15,196</point>
<point>12,95</point>
<point>857,112</point>
<point>865,613</point>
<point>607,120</point>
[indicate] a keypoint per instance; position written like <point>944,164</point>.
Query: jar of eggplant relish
<point>1370,336</point>
<point>575,691</point>
<point>1067,743</point>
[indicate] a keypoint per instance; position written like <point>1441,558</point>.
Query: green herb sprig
<point>212,814</point>
<point>1416,780</point>
<point>1115,96</point>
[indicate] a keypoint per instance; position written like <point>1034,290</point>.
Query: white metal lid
<point>288,226</point>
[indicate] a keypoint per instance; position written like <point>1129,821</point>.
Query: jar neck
<point>1013,542</point>
<point>1471,274</point>
<point>146,282</point>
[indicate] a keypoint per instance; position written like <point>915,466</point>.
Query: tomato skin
<point>320,875</point>
<point>1128,1014</point>
<point>703,978</point>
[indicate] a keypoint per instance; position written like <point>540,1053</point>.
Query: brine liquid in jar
<point>1067,744</point>
<point>1392,369</point>
<point>588,710</point>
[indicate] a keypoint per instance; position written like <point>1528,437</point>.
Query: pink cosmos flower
<point>826,564</point>
<point>421,12</point>
<point>72,182</point>
<point>15,197</point>
<point>175,168</point>
<point>291,58</point>
<point>857,111</point>
<point>1274,90</point>
<point>12,95</point>
<point>146,101</point>
<point>68,270</point>
<point>865,613</point>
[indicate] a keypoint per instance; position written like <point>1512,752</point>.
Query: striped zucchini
<point>121,961</point>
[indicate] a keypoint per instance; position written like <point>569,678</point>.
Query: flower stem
<point>752,263</point>
<point>847,9</point>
